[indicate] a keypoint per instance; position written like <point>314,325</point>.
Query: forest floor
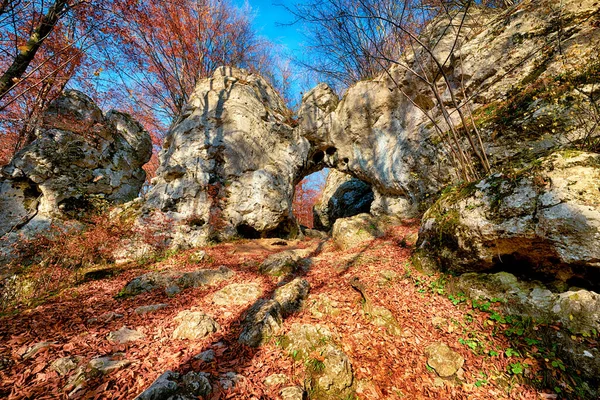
<point>77,320</point>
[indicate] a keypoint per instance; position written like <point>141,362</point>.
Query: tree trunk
<point>26,54</point>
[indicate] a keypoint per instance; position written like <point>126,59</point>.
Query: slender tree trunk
<point>26,54</point>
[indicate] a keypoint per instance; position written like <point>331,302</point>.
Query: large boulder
<point>544,219</point>
<point>79,155</point>
<point>229,163</point>
<point>343,196</point>
<point>352,232</point>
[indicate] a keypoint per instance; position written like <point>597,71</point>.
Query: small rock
<point>261,323</point>
<point>292,393</point>
<point>64,365</point>
<point>198,256</point>
<point>150,308</point>
<point>275,380</point>
<point>125,335</point>
<point>36,348</point>
<point>237,294</point>
<point>194,325</point>
<point>445,361</point>
<point>229,380</point>
<point>381,316</point>
<point>291,295</point>
<point>284,263</point>
<point>163,387</point>
<point>172,290</point>
<point>206,356</point>
<point>106,317</point>
<point>197,384</point>
<point>388,274</point>
<point>108,364</point>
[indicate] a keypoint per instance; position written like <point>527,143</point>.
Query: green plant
<point>510,352</point>
<point>516,368</point>
<point>473,344</point>
<point>438,286</point>
<point>558,364</point>
<point>458,298</point>
<point>315,364</point>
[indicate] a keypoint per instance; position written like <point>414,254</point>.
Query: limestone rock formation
<point>530,73</point>
<point>229,163</point>
<point>547,218</point>
<point>79,155</point>
<point>343,196</point>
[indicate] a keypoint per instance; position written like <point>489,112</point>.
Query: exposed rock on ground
<point>78,157</point>
<point>355,231</point>
<point>545,219</point>
<point>125,335</point>
<point>578,310</point>
<point>194,325</point>
<point>237,293</point>
<point>171,385</point>
<point>264,319</point>
<point>172,280</point>
<point>292,393</point>
<point>329,369</point>
<point>343,196</point>
<point>150,308</point>
<point>284,262</point>
<point>443,359</point>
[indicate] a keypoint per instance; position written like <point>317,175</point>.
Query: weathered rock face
<point>520,68</point>
<point>230,161</point>
<point>79,154</point>
<point>343,196</point>
<point>546,218</point>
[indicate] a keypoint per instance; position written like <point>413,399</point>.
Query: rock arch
<point>233,158</point>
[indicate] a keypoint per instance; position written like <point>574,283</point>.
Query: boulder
<point>343,196</point>
<point>237,294</point>
<point>125,335</point>
<point>194,325</point>
<point>262,322</point>
<point>348,233</point>
<point>284,262</point>
<point>78,157</point>
<point>291,296</point>
<point>544,220</point>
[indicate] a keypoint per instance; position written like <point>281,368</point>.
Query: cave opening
<point>322,197</point>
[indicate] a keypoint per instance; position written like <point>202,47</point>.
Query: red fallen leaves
<point>388,367</point>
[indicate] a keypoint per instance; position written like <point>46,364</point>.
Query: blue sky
<point>270,13</point>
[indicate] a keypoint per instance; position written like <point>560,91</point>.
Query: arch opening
<point>322,197</point>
